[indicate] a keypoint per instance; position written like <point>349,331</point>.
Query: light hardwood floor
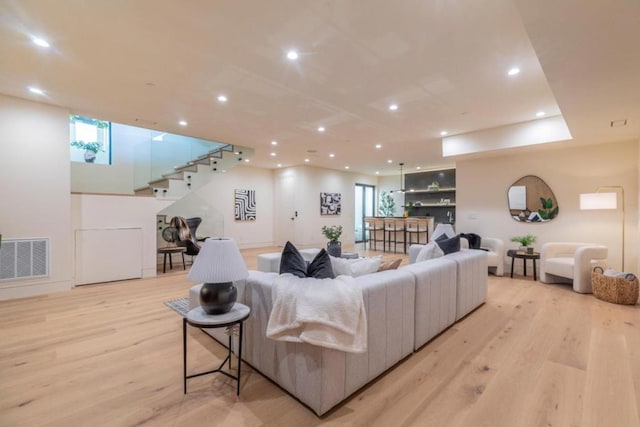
<point>111,354</point>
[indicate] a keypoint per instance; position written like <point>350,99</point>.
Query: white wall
<point>35,196</point>
<point>100,212</point>
<point>297,189</point>
<point>214,203</point>
<point>482,186</point>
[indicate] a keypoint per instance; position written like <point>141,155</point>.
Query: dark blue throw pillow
<point>449,245</point>
<point>293,262</point>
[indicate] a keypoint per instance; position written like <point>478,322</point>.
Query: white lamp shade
<point>219,261</point>
<point>443,229</point>
<point>590,201</point>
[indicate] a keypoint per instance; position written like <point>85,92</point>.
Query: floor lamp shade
<point>590,201</point>
<point>218,264</point>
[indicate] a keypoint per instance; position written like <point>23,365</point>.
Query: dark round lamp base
<point>218,298</point>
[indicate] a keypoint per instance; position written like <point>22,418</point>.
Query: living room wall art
<point>330,203</point>
<point>245,205</point>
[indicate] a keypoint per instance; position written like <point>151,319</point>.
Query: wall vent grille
<point>24,259</point>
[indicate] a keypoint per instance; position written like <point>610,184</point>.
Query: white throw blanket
<point>324,312</point>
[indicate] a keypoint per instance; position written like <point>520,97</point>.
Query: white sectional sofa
<point>405,309</point>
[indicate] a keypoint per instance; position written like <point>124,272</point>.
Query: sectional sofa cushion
<point>429,251</point>
<point>355,267</point>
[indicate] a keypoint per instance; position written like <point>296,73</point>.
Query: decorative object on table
<point>525,242</point>
<point>334,247</point>
<point>408,209</point>
<point>613,286</point>
<point>245,205</point>
<point>218,265</point>
<point>605,200</point>
<point>530,200</point>
<point>387,206</point>
<point>330,203</point>
<point>90,149</point>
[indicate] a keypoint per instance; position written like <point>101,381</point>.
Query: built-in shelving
<point>430,200</point>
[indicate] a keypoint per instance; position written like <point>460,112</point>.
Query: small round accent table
<point>198,318</point>
<point>524,256</point>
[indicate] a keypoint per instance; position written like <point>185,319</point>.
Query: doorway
<point>364,207</point>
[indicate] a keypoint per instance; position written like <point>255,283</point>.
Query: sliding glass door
<point>365,206</point>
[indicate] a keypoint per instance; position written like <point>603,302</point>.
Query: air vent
<point>24,259</point>
<point>618,123</point>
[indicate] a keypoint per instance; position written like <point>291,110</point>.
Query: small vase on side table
<point>334,248</point>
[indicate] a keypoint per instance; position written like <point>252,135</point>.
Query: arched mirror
<point>531,200</point>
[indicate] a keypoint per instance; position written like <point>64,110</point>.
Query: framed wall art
<point>245,205</point>
<point>330,203</point>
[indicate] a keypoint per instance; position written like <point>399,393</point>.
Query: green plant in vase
<point>90,149</point>
<point>525,241</point>
<point>333,233</point>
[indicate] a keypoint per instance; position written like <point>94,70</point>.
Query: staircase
<point>194,174</point>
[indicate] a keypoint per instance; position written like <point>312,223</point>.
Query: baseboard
<point>25,291</point>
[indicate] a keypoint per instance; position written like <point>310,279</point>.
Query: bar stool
<point>416,227</point>
<point>373,226</point>
<point>394,228</point>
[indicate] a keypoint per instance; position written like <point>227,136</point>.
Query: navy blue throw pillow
<point>293,262</point>
<point>442,237</point>
<point>449,245</point>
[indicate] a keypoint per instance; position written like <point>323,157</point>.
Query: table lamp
<point>218,265</point>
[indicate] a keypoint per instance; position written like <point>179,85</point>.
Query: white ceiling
<point>151,63</point>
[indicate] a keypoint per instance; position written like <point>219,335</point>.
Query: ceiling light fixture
<point>247,160</point>
<point>393,107</point>
<point>402,190</point>
<point>378,145</point>
<point>182,123</point>
<point>346,167</point>
<point>377,172</point>
<point>444,133</point>
<point>222,98</point>
<point>418,167</point>
<point>36,90</point>
<point>279,165</point>
<point>292,55</point>
<point>40,42</point>
<point>320,129</point>
<point>274,142</point>
<point>389,161</point>
<point>306,160</point>
<point>540,114</point>
<point>273,154</point>
<point>513,71</point>
<point>331,155</point>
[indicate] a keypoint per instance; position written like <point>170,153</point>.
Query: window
<point>90,140</point>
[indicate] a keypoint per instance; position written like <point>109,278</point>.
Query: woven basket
<point>615,289</point>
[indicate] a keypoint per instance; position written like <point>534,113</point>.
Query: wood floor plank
<point>111,354</point>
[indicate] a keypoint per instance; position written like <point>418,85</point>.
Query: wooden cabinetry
<point>431,193</point>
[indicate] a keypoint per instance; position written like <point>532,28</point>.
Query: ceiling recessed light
<point>320,129</point>
<point>393,107</point>
<point>247,160</point>
<point>274,142</point>
<point>279,165</point>
<point>306,160</point>
<point>540,113</point>
<point>182,123</point>
<point>273,154</point>
<point>418,167</point>
<point>40,42</point>
<point>292,55</point>
<point>346,167</point>
<point>378,145</point>
<point>331,155</point>
<point>222,98</point>
<point>36,90</point>
<point>377,173</point>
<point>389,161</point>
<point>513,71</point>
<point>444,133</point>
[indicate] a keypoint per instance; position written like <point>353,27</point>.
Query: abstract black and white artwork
<point>330,203</point>
<point>245,205</point>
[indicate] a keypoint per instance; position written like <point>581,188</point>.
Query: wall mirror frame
<point>531,200</point>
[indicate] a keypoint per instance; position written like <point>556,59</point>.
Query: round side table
<point>198,318</point>
<point>524,256</point>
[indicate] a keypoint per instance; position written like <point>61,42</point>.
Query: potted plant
<point>90,149</point>
<point>525,242</point>
<point>334,247</point>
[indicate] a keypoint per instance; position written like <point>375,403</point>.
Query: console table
<point>524,256</point>
<point>198,318</point>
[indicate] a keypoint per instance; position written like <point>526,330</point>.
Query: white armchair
<point>495,254</point>
<point>565,262</point>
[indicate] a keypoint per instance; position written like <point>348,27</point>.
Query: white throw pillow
<point>355,267</point>
<point>429,251</point>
